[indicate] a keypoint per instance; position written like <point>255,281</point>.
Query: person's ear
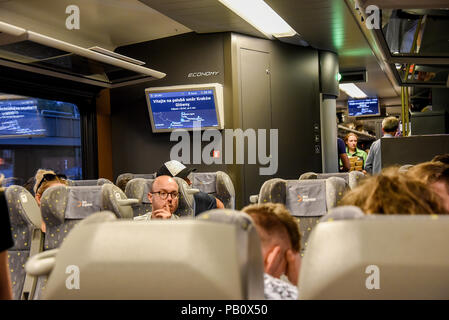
<point>38,199</point>
<point>150,197</point>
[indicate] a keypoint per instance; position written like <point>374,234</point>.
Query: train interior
<point>83,87</point>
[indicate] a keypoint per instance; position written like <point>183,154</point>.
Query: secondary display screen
<point>20,118</point>
<point>180,109</point>
<point>363,107</point>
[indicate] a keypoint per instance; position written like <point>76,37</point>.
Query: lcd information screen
<point>363,107</point>
<point>20,118</point>
<point>180,109</point>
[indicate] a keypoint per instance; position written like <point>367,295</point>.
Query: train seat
<point>139,188</point>
<point>171,259</point>
<point>307,200</point>
<point>26,222</point>
<point>250,252</point>
<point>352,178</point>
<point>64,207</point>
<point>92,182</point>
<point>218,184</point>
<point>377,257</point>
<point>124,178</point>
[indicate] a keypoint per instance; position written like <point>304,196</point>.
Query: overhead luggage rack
<point>31,51</point>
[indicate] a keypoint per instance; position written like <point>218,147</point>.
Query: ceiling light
<point>352,90</point>
<point>260,16</point>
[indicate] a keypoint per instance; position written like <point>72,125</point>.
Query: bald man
<point>164,196</point>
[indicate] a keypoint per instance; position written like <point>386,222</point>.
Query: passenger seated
<point>436,175</point>
<point>393,192</point>
<point>203,201</point>
<point>6,242</point>
<point>164,199</point>
<point>45,179</point>
<point>280,240</point>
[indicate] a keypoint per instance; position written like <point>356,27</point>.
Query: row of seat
<point>218,256</point>
<point>62,207</point>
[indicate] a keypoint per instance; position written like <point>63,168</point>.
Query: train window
<point>38,133</point>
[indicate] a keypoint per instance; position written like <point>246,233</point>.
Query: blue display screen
<point>20,118</point>
<point>179,110</point>
<point>363,107</point>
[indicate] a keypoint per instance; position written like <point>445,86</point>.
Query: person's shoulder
<point>203,196</point>
<point>277,289</point>
<point>144,217</point>
<point>362,152</point>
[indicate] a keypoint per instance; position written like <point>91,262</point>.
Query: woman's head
<point>436,175</point>
<point>46,179</point>
<point>351,141</point>
<point>392,192</point>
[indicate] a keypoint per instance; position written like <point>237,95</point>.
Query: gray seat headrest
<point>302,197</point>
<point>218,184</point>
<point>172,269</point>
<point>250,253</point>
<point>342,213</point>
<point>93,182</point>
<point>124,178</point>
<point>23,209</point>
<point>377,257</point>
<point>61,203</point>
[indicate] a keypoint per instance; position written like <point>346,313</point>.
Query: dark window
<point>37,133</point>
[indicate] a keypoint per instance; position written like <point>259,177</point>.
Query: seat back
<point>352,178</point>
<point>307,200</point>
<point>377,257</point>
<point>64,207</point>
<point>124,178</point>
<point>26,221</point>
<point>156,261</point>
<point>252,268</point>
<point>139,188</point>
<point>94,182</point>
<point>218,184</point>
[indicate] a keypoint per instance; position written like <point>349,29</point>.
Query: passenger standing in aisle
<point>373,164</point>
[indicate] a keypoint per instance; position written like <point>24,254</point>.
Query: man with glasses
<point>164,196</point>
<point>203,201</point>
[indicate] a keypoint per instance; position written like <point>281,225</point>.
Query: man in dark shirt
<point>6,242</point>
<point>203,201</point>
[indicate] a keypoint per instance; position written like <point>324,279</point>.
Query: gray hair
<point>390,124</point>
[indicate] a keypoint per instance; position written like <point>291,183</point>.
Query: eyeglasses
<point>51,177</point>
<point>164,195</point>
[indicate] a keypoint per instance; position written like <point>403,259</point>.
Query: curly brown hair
<point>393,192</point>
<point>429,172</point>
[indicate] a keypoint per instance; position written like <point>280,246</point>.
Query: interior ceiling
<point>104,23</point>
<point>324,24</point>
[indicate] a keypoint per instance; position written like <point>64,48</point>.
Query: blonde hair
<point>393,192</point>
<point>348,135</point>
<point>38,178</point>
<point>390,124</point>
